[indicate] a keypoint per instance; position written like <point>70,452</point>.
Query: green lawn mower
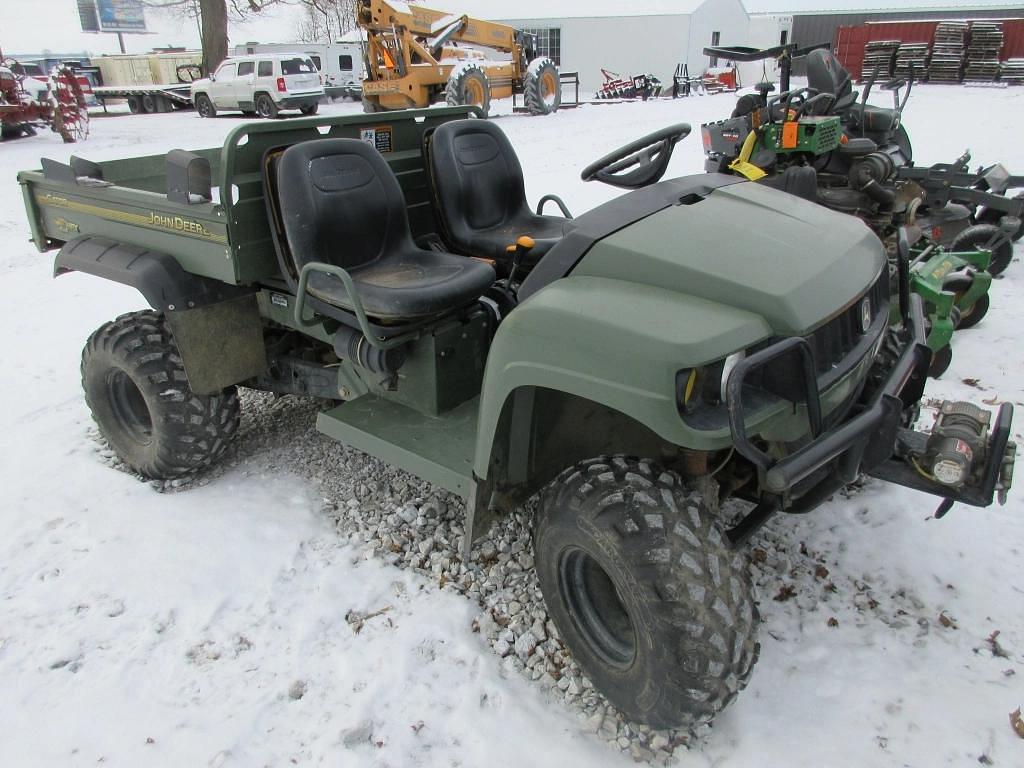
<point>797,143</point>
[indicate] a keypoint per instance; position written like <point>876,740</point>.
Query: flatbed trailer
<point>147,98</point>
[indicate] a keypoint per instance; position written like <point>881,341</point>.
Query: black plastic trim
<point>159,277</point>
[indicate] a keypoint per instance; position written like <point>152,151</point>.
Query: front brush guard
<point>872,441</point>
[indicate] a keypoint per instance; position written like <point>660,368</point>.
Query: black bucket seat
<point>826,75</point>
<point>340,204</point>
<point>481,195</point>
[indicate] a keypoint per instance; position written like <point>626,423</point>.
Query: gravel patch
<point>408,523</point>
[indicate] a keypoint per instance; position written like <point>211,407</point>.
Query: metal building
<point>816,21</point>
<point>643,36</point>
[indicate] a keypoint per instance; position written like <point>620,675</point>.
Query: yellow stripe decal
<point>153,220</point>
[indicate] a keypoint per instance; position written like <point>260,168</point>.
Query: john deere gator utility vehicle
<point>625,365</point>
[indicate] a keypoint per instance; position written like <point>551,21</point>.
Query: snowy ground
<point>218,625</point>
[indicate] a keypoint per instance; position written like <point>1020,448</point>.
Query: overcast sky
<point>32,26</point>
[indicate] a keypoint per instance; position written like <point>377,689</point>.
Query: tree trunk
<point>214,28</point>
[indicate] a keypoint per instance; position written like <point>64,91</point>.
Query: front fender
<point>612,342</point>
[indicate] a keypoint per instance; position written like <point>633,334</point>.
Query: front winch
<point>958,443</point>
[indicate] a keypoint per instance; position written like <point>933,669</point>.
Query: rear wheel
<point>987,237</point>
<point>310,110</point>
<point>135,105</point>
<point>148,103</point>
<point>136,388</point>
<point>468,86</point>
<point>265,106</point>
<point>542,90</point>
<point>204,106</point>
<point>653,603</point>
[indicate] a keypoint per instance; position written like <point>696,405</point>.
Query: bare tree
<point>325,21</point>
<point>213,16</point>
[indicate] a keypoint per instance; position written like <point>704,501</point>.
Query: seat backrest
<point>340,203</point>
<point>477,175</point>
<point>826,75</point>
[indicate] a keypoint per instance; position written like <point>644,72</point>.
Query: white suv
<point>260,85</point>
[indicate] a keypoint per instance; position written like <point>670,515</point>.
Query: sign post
<point>117,16</point>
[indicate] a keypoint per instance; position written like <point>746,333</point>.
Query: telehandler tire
<point>468,86</point>
<point>642,584</point>
<point>990,237</point>
<point>136,388</point>
<point>542,90</point>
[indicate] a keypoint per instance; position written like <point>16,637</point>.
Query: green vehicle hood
<point>796,265</point>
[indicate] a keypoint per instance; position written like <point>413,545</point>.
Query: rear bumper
<point>298,102</point>
<point>870,441</point>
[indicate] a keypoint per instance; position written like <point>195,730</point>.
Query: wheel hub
<point>596,608</point>
<point>129,407</point>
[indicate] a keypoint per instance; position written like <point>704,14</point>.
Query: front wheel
<point>136,387</point>
<point>639,578</point>
<point>265,106</point>
<point>986,237</point>
<point>468,86</point>
<point>542,90</point>
<point>204,106</point>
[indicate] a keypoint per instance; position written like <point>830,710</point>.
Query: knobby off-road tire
<point>643,586</point>
<point>468,86</point>
<point>542,90</point>
<point>136,388</point>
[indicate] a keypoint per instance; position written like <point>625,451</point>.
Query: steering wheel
<point>649,155</point>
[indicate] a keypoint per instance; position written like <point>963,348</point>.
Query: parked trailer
<point>146,98</point>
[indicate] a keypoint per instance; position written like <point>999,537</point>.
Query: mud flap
<point>220,344</point>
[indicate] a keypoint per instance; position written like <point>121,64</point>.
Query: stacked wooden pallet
<point>983,51</point>
<point>1012,71</point>
<point>912,58</point>
<point>879,56</point>
<point>947,61</point>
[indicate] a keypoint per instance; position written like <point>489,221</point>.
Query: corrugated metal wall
<point>808,29</point>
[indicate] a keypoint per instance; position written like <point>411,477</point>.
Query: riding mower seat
<point>481,195</point>
<point>340,204</point>
<point>826,75</point>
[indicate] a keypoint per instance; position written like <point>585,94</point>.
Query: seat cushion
<point>408,286</point>
<point>481,196</point>
<point>492,243</point>
<point>873,118</point>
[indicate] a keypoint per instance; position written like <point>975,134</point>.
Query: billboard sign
<point>112,15</point>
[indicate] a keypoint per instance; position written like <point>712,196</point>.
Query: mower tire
<point>643,586</point>
<point>136,388</point>
<point>967,317</point>
<point>940,361</point>
<point>988,237</point>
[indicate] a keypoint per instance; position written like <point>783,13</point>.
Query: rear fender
<point>202,313</point>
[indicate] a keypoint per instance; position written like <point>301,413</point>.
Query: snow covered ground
<point>220,625</point>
